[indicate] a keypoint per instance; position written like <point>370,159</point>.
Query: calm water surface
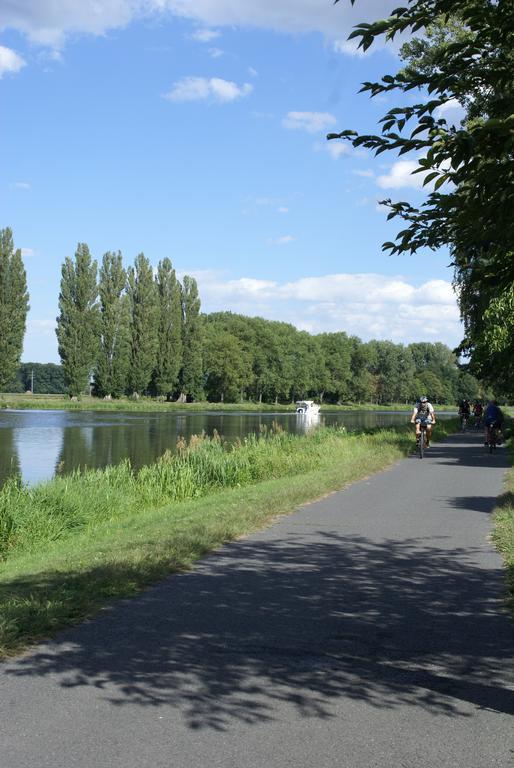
<point>36,444</point>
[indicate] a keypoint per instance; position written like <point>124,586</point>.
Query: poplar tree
<point>192,372</point>
<point>78,321</point>
<point>169,346</point>
<point>113,358</point>
<point>14,305</point>
<point>144,318</point>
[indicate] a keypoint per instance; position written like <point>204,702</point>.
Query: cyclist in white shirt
<point>423,413</point>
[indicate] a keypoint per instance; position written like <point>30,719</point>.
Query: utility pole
<point>32,381</point>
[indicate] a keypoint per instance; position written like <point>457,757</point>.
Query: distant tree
<point>144,318</point>
<point>14,305</point>
<point>191,379</point>
<point>48,378</point>
<point>468,387</point>
<point>169,345</point>
<point>360,383</point>
<point>336,348</point>
<point>78,320</point>
<point>227,366</point>
<point>114,350</point>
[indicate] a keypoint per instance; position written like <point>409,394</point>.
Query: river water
<point>35,444</point>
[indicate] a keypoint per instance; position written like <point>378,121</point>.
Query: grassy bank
<point>71,545</point>
<point>86,403</point>
<point>503,533</point>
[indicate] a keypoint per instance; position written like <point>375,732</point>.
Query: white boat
<point>307,408</point>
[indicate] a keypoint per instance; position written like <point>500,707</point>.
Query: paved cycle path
<point>367,629</point>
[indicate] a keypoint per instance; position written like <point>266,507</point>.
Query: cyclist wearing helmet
<point>423,413</point>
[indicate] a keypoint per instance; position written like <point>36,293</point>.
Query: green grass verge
<point>503,533</point>
<point>71,545</point>
<point>86,403</point>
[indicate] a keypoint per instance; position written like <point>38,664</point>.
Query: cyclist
<point>478,412</point>
<point>464,411</point>
<point>493,416</point>
<point>423,413</point>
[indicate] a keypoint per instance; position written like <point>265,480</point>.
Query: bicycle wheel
<point>422,437</point>
<point>492,441</point>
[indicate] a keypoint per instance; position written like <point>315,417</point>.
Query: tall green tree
<point>227,365</point>
<point>169,346</point>
<point>191,379</point>
<point>14,305</point>
<point>465,56</point>
<point>78,320</point>
<point>144,319</point>
<point>114,352</point>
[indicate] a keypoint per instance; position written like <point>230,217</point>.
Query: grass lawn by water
<point>86,403</point>
<point>71,545</point>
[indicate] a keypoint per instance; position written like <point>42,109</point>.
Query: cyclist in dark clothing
<point>493,416</point>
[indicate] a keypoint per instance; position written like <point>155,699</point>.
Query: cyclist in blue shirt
<point>493,415</point>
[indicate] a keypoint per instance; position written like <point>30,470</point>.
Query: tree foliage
<point>465,55</point>
<point>191,378</point>
<point>14,305</point>
<point>144,315</point>
<point>114,344</point>
<point>169,334</point>
<point>78,320</point>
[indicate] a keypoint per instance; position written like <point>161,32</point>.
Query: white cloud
<point>448,106</point>
<point>10,61</point>
<point>367,174</point>
<point>367,305</point>
<point>284,240</point>
<point>27,252</point>
<point>282,209</point>
<point>49,23</point>
<point>203,88</point>
<point>205,35</point>
<point>400,175</point>
<point>252,72</point>
<point>337,148</point>
<point>351,48</point>
<point>215,53</point>
<point>21,184</point>
<point>312,122</point>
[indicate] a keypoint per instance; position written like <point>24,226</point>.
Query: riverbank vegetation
<point>90,403</point>
<point>503,534</point>
<point>70,545</point>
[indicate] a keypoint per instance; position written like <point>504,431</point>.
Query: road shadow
<point>468,450</point>
<point>306,621</point>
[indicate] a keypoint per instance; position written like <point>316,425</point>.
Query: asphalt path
<point>366,629</point>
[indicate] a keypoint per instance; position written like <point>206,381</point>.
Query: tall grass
<point>503,534</point>
<point>32,517</point>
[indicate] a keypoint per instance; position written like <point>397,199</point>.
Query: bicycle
<point>421,441</point>
<point>492,436</point>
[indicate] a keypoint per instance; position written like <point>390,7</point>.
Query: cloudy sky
<point>195,129</point>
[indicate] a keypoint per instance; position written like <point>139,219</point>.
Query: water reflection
<point>37,444</point>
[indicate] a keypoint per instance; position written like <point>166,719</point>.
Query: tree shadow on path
<point>309,621</point>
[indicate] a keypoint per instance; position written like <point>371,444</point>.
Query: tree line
<point>249,358</point>
<point>139,331</point>
<point>128,331</point>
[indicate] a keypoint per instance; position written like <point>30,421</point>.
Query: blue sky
<point>195,129</point>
